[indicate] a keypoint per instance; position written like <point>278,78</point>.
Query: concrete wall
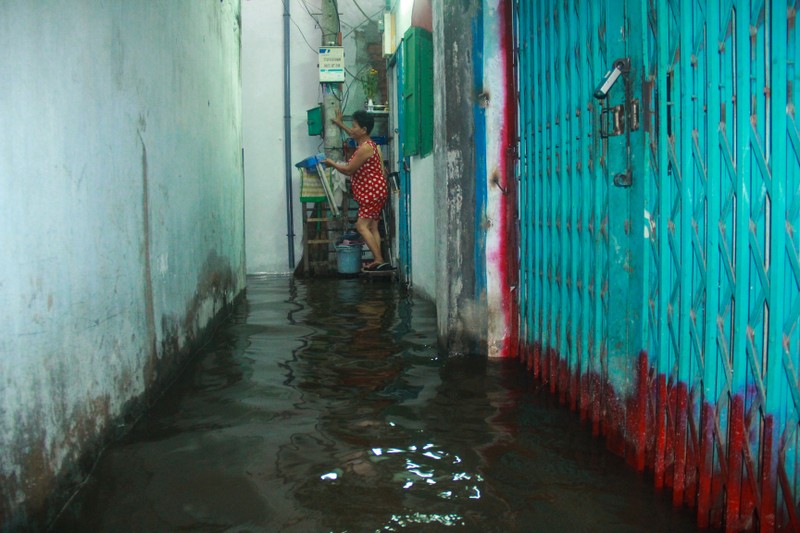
<point>423,227</point>
<point>121,221</point>
<point>460,304</point>
<point>263,120</point>
<point>470,182</point>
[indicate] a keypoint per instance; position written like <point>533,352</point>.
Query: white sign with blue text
<point>331,64</point>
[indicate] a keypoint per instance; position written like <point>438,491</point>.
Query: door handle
<point>620,119</point>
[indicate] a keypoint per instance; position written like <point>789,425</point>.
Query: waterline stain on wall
<point>122,228</point>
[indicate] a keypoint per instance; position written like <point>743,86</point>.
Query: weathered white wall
<point>458,146</point>
<point>263,126</point>
<point>500,249</point>
<point>121,219</point>
<point>263,120</point>
<point>402,18</point>
<point>423,227</point>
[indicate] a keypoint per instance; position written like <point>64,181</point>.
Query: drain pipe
<point>287,133</point>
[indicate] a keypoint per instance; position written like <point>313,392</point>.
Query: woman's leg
<point>376,235</point>
<point>368,229</point>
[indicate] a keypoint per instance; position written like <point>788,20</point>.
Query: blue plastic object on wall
<point>311,163</point>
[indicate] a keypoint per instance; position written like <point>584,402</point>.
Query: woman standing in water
<point>368,183</point>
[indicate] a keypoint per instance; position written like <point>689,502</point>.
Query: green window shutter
<point>425,92</point>
<point>410,98</point>
<point>418,91</point>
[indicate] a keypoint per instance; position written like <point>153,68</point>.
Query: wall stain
<point>44,481</point>
<point>183,335</point>
<point>150,321</point>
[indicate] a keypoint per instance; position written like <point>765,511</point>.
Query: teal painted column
<point>712,384</point>
<point>742,288</point>
<point>561,198</point>
<point>598,228</point>
<point>582,23</point>
<point>685,171</point>
<point>526,177</point>
<point>663,232</point>
<point>574,201</point>
<point>789,450</point>
<point>778,400</point>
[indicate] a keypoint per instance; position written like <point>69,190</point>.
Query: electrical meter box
<point>314,120</point>
<point>331,64</point>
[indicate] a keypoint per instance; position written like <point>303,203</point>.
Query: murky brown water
<point>324,406</point>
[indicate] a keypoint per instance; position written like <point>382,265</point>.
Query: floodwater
<point>323,405</point>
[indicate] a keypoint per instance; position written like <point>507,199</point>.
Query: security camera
<point>620,67</point>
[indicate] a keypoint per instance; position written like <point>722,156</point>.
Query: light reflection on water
<point>414,471</point>
<point>324,406</point>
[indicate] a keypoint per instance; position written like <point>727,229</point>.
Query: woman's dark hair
<point>364,120</point>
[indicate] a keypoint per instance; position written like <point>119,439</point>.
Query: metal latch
<point>621,119</point>
<point>615,121</point>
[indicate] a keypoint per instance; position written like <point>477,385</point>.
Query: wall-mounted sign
<point>331,64</point>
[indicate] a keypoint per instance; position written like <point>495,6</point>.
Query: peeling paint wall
<point>500,184</point>
<point>460,305</point>
<point>467,194</point>
<point>475,189</point>
<point>121,201</point>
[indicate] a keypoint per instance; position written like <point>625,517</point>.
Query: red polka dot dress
<point>369,185</point>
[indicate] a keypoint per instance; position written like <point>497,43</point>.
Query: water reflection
<point>324,406</point>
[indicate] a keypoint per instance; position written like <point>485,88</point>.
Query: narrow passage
<point>323,405</point>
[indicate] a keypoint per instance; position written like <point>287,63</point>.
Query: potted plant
<point>369,83</point>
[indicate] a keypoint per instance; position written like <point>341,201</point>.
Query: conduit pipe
<point>287,133</point>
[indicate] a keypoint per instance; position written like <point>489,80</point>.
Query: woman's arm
<point>363,153</point>
<point>338,121</point>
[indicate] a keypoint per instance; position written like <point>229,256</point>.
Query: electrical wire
<point>354,77</point>
<point>361,24</point>
<point>338,19</point>
<point>312,48</point>
<point>310,14</point>
<point>339,22</point>
<point>303,35</point>
<point>344,96</point>
<point>362,11</point>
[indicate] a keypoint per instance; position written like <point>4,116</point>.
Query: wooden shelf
<point>320,231</point>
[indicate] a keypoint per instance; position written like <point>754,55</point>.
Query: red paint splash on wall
<point>653,428</point>
<point>507,254</point>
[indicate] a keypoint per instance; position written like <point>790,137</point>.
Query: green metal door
<point>659,264</point>
<point>580,167</point>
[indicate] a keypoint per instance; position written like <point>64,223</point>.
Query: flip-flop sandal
<point>384,267</point>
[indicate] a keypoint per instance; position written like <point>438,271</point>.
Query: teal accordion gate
<point>659,182</point>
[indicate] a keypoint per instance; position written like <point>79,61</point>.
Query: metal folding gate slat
<point>659,243</point>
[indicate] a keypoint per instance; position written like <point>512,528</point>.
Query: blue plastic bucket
<point>348,259</point>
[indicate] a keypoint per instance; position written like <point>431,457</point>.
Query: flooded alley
<point>323,405</point>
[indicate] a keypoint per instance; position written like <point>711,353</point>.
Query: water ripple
<point>324,406</point>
